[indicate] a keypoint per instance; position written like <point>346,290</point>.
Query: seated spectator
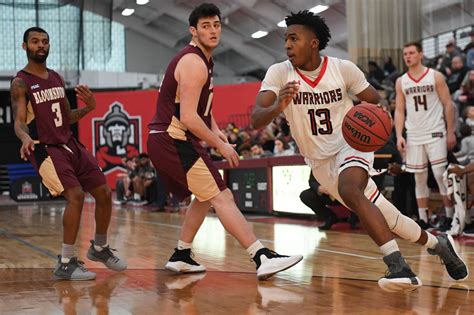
<point>122,185</point>
<point>245,151</point>
<point>457,74</point>
<point>145,176</point>
<point>388,66</point>
<point>466,97</point>
<point>282,148</point>
<point>469,117</point>
<point>466,154</point>
<point>375,75</point>
<point>258,152</point>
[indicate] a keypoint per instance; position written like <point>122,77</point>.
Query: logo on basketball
<point>356,133</point>
<point>114,136</point>
<point>364,118</point>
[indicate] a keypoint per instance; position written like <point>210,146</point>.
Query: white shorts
<point>419,154</point>
<point>327,171</point>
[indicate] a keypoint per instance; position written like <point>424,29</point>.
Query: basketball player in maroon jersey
<point>316,122</point>
<point>183,118</point>
<point>42,120</point>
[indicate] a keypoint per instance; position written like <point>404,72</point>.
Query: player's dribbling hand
<point>228,152</point>
<point>401,144</point>
<point>85,94</point>
<point>287,92</point>
<point>27,147</point>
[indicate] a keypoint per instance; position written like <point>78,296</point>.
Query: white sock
<point>253,249</point>
<point>432,241</point>
<point>137,196</point>
<point>449,211</point>
<point>389,247</point>
<point>183,245</point>
<point>423,214</point>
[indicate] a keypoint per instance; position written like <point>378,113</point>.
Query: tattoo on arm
<point>18,100</point>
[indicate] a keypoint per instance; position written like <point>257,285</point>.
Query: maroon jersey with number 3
<point>46,110</point>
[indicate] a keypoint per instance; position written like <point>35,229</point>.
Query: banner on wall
<point>117,128</point>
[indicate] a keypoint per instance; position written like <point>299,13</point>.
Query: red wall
<point>136,108</point>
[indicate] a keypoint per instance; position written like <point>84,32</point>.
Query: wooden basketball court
<point>338,274</point>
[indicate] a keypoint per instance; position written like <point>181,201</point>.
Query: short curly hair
<point>315,23</point>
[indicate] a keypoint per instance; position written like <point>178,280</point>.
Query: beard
<point>36,57</point>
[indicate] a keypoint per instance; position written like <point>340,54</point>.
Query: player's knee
<point>75,195</point>
<point>352,196</point>
<point>224,198</point>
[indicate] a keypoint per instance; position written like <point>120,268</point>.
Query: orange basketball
<point>367,127</point>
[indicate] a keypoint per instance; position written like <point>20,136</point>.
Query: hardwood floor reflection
<point>338,275</point>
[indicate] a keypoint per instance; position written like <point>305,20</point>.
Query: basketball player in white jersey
<point>424,95</point>
<point>313,92</point>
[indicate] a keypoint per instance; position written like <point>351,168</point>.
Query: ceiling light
<point>318,9</point>
<point>259,34</point>
<point>142,2</point>
<point>127,12</point>
<point>282,23</point>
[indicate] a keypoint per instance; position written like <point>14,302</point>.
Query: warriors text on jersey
<point>424,110</point>
<point>316,112</point>
<point>46,109</point>
<point>167,116</point>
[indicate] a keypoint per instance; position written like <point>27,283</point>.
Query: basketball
<point>367,127</point>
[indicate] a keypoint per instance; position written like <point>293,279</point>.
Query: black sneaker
<point>330,221</point>
<point>445,224</point>
<point>182,262</point>
<point>424,225</point>
<point>269,262</point>
<point>455,266</point>
<point>399,276</point>
<point>73,270</point>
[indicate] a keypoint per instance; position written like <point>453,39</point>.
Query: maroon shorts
<point>185,167</point>
<point>62,167</point>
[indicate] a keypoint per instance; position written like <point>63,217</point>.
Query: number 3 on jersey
<point>324,121</point>
<point>55,108</point>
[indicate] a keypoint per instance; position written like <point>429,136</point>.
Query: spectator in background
<point>267,140</point>
<point>245,151</point>
<point>145,175</point>
<point>258,152</point>
<point>282,148</point>
<point>469,52</point>
<point>375,75</point>
<point>457,74</point>
<point>388,66</point>
<point>123,185</point>
<point>451,51</point>
<point>466,154</point>
<point>469,117</point>
<point>466,97</point>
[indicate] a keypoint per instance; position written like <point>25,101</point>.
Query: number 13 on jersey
<point>324,127</point>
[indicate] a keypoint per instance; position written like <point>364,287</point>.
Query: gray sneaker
<point>73,270</point>
<point>455,266</point>
<point>399,276</point>
<point>106,257</point>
